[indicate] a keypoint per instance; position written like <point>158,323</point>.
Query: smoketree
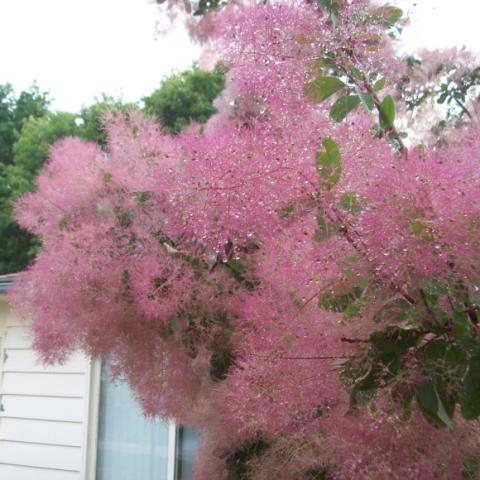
<point>293,278</point>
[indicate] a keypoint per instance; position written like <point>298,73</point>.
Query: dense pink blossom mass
<point>238,274</point>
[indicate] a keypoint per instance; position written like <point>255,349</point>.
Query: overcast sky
<point>78,49</point>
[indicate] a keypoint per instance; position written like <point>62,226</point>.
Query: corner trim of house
<point>172,447</point>
<point>90,422</point>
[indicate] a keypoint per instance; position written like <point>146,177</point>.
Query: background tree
<point>29,153</point>
<point>91,117</point>
<point>184,97</point>
<point>13,111</point>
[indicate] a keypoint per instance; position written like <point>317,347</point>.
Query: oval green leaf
<point>470,395</point>
<point>343,106</point>
<point>387,15</point>
<point>325,229</point>
<point>328,163</point>
<point>379,84</point>
<point>323,88</point>
<point>351,203</point>
<point>387,112</point>
<point>431,404</point>
<point>367,101</point>
<point>333,6</point>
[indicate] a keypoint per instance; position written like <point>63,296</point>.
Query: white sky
<point>78,49</point>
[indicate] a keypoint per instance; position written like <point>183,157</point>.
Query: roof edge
<point>6,282</point>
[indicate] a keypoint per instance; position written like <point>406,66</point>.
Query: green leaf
<point>332,6</point>
<point>367,101</point>
<point>350,202</point>
<point>63,223</point>
<point>288,211</point>
<point>325,229</point>
<point>322,88</point>
<point>442,361</point>
<point>387,15</point>
<point>379,84</point>
<point>328,163</point>
<point>353,310</point>
<point>343,106</point>
<point>431,404</point>
<point>433,287</point>
<point>373,42</point>
<point>339,299</point>
<point>394,339</point>
<point>470,469</point>
<point>413,62</point>
<point>387,112</point>
<point>418,228</point>
<point>142,197</point>
<point>356,73</point>
<point>107,177</point>
<point>368,381</point>
<point>394,310</point>
<point>461,325</point>
<point>301,39</point>
<point>470,394</point>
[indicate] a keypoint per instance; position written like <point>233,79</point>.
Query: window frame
<point>91,419</point>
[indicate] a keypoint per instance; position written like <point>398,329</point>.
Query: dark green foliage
<point>16,112</point>
<point>13,111</point>
<point>92,117</point>
<point>184,97</point>
<point>470,395</point>
<point>29,153</point>
<point>318,473</point>
<point>223,356</point>
<point>241,273</point>
<point>437,327</point>
<point>205,6</point>
<point>238,461</point>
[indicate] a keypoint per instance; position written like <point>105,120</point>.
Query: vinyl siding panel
<point>17,337</point>
<point>43,384</point>
<point>25,360</point>
<point>42,419</point>
<point>55,457</point>
<point>56,409</point>
<point>42,431</point>
<point>20,472</point>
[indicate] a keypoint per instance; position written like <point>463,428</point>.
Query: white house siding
<point>42,418</point>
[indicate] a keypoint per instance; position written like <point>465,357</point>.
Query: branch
<point>354,340</point>
<point>427,306</point>
<point>463,107</point>
<point>369,88</point>
<point>312,357</point>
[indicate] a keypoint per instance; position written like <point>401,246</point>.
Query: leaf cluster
<point>429,352</point>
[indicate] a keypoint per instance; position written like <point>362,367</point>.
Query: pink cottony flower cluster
<point>236,286</point>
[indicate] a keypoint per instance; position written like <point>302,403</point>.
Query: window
<point>133,447</point>
<point>186,451</point>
